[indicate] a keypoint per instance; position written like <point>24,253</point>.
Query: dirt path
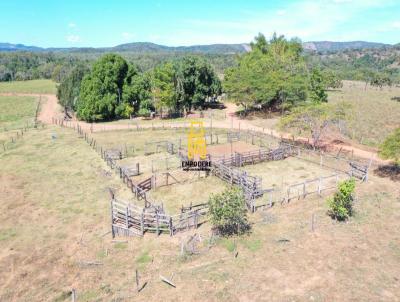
<point>51,109</point>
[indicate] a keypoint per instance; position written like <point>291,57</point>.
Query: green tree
<point>199,81</point>
<point>317,87</point>
<point>390,148</point>
<point>69,89</point>
<point>228,212</point>
<point>341,205</point>
<point>315,118</point>
<point>272,75</point>
<point>101,90</point>
<point>331,80</point>
<point>167,88</point>
<point>136,89</point>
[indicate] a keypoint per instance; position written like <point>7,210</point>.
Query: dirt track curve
<point>50,109</point>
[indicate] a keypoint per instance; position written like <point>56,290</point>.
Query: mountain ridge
<point>221,48</point>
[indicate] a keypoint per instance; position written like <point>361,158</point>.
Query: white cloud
<point>281,12</point>
<point>396,24</point>
<point>73,38</point>
<point>71,25</point>
<point>309,20</point>
<point>127,36</point>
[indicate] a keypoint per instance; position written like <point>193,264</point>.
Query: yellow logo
<point>196,141</point>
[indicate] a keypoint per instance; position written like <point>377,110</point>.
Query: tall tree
<point>272,74</point>
<point>69,89</point>
<point>317,87</point>
<point>101,90</point>
<point>199,81</point>
<point>167,88</point>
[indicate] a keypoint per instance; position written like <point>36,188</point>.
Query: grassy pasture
<point>55,217</point>
<point>374,114</point>
<point>17,111</point>
<point>31,86</point>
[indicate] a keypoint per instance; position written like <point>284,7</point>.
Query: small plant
<point>390,149</point>
<point>228,212</point>
<point>341,205</point>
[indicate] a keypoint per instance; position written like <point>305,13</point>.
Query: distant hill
<point>147,47</point>
<point>138,47</point>
<point>338,46</point>
<point>16,47</point>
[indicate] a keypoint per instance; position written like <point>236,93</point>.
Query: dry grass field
<point>55,216</point>
<point>55,233</point>
<point>372,116</point>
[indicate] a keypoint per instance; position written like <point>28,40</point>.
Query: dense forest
<point>347,63</point>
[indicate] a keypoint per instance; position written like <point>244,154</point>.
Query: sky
<point>100,23</point>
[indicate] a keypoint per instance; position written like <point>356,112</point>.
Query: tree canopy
<point>314,118</point>
<point>69,89</point>
<point>184,84</point>
<point>272,74</point>
<point>228,212</point>
<point>112,89</point>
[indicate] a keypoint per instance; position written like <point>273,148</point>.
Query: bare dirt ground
<point>227,149</point>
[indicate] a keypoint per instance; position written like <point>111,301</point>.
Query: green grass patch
<point>252,244</point>
<point>32,86</point>
<point>228,244</point>
<point>121,246</point>
<point>17,112</point>
<point>143,258</point>
<point>6,234</point>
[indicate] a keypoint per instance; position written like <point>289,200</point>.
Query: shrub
<point>390,149</point>
<point>228,212</point>
<point>341,205</point>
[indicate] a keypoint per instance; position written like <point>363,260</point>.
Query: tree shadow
<point>391,171</point>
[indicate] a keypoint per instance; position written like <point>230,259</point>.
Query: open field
<point>55,231</point>
<point>32,86</point>
<point>17,112</point>
<point>281,173</point>
<point>55,212</point>
<point>372,116</point>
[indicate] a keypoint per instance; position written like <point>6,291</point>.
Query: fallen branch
<point>169,282</point>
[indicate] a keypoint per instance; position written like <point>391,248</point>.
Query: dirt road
<point>50,109</point>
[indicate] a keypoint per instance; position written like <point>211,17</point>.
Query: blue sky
<point>108,23</point>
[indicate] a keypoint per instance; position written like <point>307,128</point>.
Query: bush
<point>390,148</point>
<point>228,212</point>
<point>341,205</point>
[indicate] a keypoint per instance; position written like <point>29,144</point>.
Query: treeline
<point>114,88</point>
<point>368,65</point>
<point>363,65</point>
<point>22,65</point>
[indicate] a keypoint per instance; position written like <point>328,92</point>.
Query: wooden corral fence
<point>311,186</point>
<point>164,179</point>
<point>250,185</point>
<point>358,170</point>
<point>131,220</point>
<point>155,147</point>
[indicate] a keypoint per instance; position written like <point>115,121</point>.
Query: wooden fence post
<point>142,223</point>
<point>73,295</point>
